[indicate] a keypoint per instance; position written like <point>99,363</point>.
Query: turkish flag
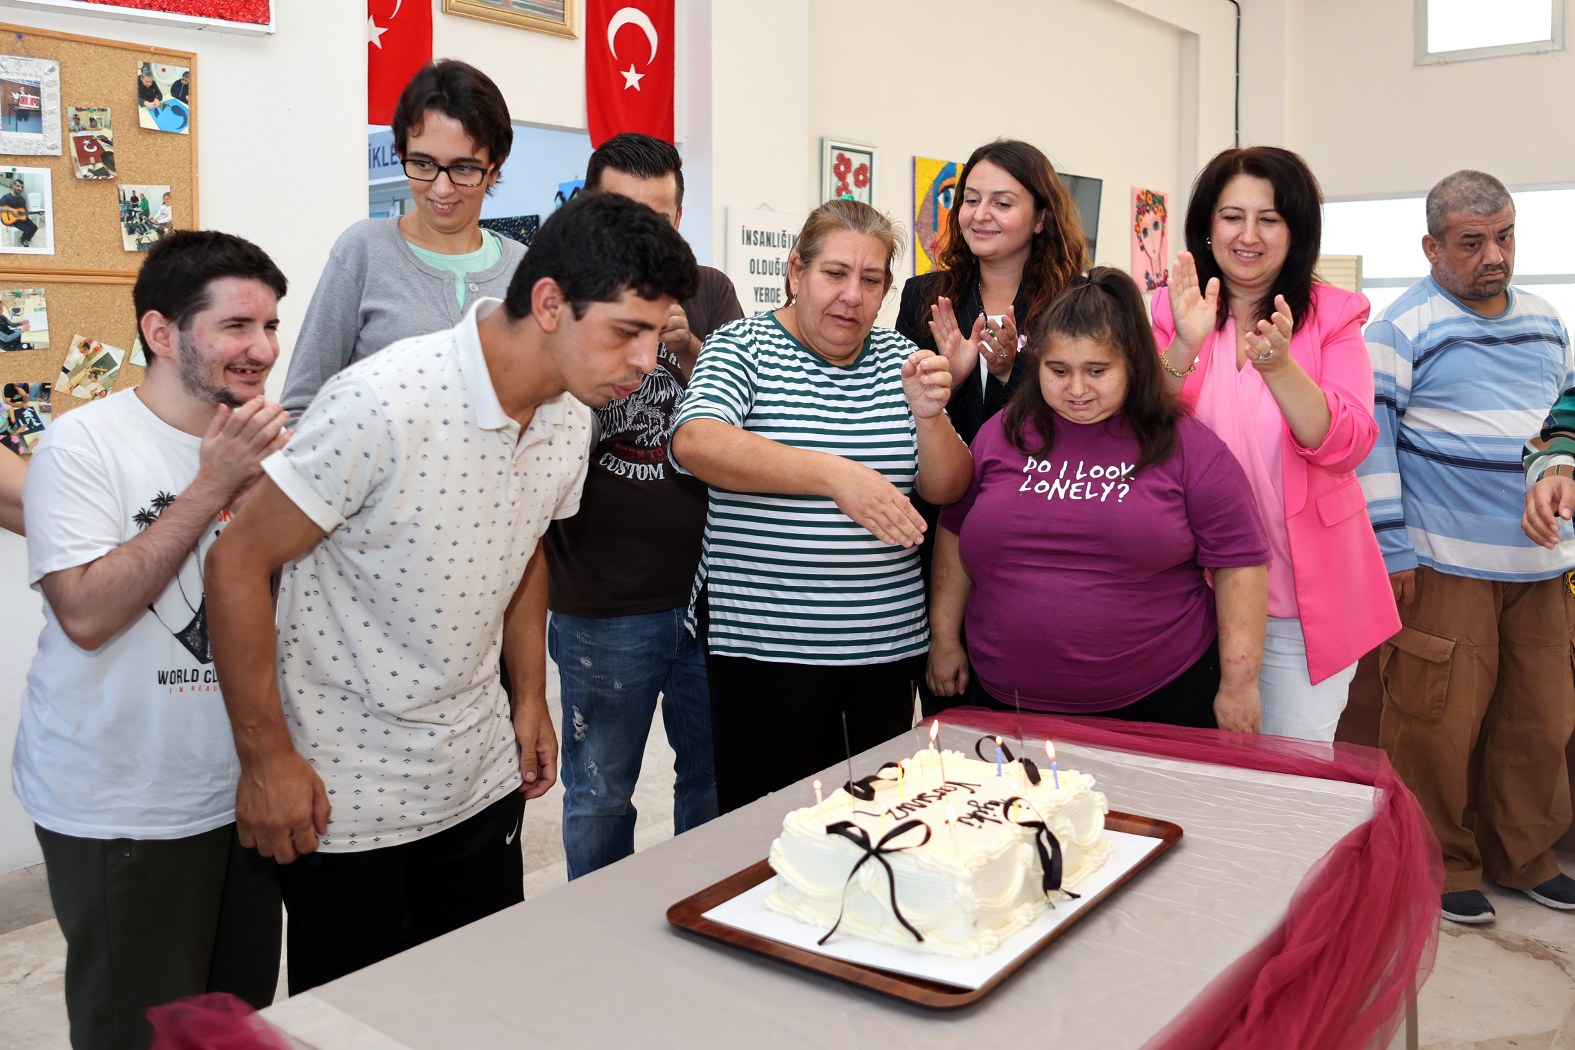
<point>629,68</point>
<point>399,42</point>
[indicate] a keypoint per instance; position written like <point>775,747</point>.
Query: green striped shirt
<point>793,579</point>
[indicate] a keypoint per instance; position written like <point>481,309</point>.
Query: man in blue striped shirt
<point>1479,701</point>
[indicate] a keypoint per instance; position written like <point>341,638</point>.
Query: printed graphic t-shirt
<point>1088,585</point>
<point>131,740</point>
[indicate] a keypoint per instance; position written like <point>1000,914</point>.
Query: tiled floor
<point>1509,986</point>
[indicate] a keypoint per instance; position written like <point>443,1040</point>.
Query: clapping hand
<point>1269,347</point>
<point>1194,309</point>
<point>1000,346</point>
<point>960,353</point>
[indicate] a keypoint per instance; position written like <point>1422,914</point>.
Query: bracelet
<point>1165,364</point>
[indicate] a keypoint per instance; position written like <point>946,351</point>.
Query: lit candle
<point>997,756</point>
<point>902,780</point>
<point>818,799</point>
<point>1050,751</point>
<point>935,727</point>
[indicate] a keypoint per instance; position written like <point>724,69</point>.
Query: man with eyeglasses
<point>391,278</point>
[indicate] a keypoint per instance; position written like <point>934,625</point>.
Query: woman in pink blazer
<point>1273,362</point>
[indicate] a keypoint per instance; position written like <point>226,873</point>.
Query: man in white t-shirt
<point>124,758</point>
<point>381,762</point>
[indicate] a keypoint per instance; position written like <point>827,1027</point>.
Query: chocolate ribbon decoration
<point>1030,770</point>
<point>1046,843</point>
<point>859,837</point>
<point>863,788</point>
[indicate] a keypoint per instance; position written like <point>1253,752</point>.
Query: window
<point>1387,234</point>
<point>1458,30</point>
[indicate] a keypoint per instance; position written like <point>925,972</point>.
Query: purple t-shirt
<point>1088,584</point>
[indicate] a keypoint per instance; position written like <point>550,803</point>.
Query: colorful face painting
<point>934,184</point>
<point>1150,239</point>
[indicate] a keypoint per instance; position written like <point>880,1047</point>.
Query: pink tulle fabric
<point>1362,928</point>
<point>215,1021</point>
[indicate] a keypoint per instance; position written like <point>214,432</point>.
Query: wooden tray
<point>689,914</point>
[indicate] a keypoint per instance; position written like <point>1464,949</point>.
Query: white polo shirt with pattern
<point>390,628</point>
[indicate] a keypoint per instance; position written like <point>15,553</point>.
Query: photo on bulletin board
<point>934,183</point>
<point>24,320</point>
<point>92,142</point>
<point>29,106</point>
<point>847,169</point>
<point>90,369</point>
<point>164,97</point>
<point>26,212</point>
<point>145,216</point>
<point>27,413</point>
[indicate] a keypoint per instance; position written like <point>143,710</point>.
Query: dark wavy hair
<point>1107,307</point>
<point>598,246</point>
<point>1298,200</point>
<point>179,268</point>
<point>1057,253</point>
<point>461,91</point>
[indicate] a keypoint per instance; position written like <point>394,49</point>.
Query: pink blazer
<point>1342,588</point>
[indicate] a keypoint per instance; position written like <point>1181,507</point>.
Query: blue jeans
<point>612,669</point>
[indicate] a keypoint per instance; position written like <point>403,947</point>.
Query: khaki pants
<point>1479,704</point>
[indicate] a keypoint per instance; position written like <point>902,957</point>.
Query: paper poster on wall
<point>521,228</point>
<point>26,212</point>
<point>146,215</point>
<point>90,369</point>
<point>29,106</point>
<point>164,97</point>
<point>24,320</point>
<point>567,191</point>
<point>27,413</point>
<point>934,183</point>
<point>1150,239</point>
<point>756,258</point>
<point>92,142</point>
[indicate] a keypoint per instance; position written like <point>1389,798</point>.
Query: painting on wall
<point>1150,239</point>
<point>541,16</point>
<point>934,183</point>
<point>847,170</point>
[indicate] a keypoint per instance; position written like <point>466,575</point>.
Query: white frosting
<point>970,886</point>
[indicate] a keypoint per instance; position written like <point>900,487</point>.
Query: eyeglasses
<point>459,174</point>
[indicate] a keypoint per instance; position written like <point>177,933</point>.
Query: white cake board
<point>748,911</point>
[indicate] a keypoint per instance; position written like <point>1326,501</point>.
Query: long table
<point>596,962</point>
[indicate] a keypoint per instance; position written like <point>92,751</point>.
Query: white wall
<point>1372,123</point>
<point>1107,89</point>
<point>760,81</point>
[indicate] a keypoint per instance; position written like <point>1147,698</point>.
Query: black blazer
<point>968,408</point>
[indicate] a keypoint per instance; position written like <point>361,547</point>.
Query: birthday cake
<point>952,864</point>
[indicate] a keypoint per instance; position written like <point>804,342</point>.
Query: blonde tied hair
<point>836,216</point>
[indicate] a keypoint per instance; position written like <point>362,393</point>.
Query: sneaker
<point>1469,907</point>
<point>1558,892</point>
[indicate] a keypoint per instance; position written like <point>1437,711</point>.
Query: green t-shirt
<point>462,266</point>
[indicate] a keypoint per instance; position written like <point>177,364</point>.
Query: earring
<point>1208,242</point>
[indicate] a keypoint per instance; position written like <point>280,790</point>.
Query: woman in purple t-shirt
<point>1079,555</point>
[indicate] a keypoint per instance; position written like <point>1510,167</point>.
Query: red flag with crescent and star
<point>398,42</point>
<point>629,68</point>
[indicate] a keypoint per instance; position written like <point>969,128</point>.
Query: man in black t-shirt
<point>13,212</point>
<point>620,571</point>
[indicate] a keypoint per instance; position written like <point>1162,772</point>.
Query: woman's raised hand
<point>1194,309</point>
<point>926,383</point>
<point>961,353</point>
<point>1000,346</point>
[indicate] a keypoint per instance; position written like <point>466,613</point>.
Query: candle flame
<point>935,727</point>
<point>997,741</point>
<point>1050,750</point>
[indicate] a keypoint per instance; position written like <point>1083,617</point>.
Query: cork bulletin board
<point>87,280</point>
